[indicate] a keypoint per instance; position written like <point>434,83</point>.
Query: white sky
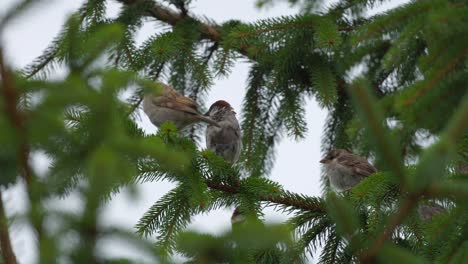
<point>296,167</point>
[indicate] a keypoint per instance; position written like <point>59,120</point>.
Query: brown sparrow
<point>226,139</point>
<point>237,217</point>
<point>170,105</point>
<point>426,212</point>
<point>345,169</point>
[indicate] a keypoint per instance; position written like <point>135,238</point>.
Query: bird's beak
<point>324,161</point>
<point>207,113</point>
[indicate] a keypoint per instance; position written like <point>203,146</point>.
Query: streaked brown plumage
<point>170,105</point>
<point>345,169</point>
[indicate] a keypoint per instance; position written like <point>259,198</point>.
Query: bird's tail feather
<point>208,120</point>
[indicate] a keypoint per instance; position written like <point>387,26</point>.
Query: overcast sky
<point>296,168</point>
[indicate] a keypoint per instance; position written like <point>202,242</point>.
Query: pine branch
<point>404,209</point>
<point>5,242</point>
<point>284,27</point>
<point>207,31</point>
<point>455,130</point>
<point>256,81</point>
<point>172,18</point>
<point>168,217</point>
<point>49,55</point>
<point>288,199</point>
<point>262,123</point>
<point>314,234</point>
<point>438,77</point>
<point>212,33</point>
<point>135,106</point>
<point>42,64</point>
<point>329,253</point>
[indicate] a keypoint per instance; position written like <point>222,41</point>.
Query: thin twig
<point>41,66</point>
<point>134,106</point>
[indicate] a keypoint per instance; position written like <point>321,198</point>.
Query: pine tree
<point>389,82</point>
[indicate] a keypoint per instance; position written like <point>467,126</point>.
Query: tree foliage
<point>388,81</point>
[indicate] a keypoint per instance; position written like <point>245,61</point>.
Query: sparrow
<point>345,169</point>
<point>226,138</point>
<point>237,217</point>
<point>170,105</point>
<point>426,212</point>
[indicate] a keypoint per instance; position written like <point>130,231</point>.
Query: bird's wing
<point>359,165</point>
<point>172,99</point>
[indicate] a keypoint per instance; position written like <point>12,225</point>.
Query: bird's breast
<point>341,177</point>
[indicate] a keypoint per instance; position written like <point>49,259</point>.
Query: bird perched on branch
<point>345,169</point>
<point>170,105</point>
<point>428,211</point>
<point>226,138</point>
<point>237,217</point>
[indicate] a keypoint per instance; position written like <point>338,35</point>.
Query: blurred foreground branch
<point>5,243</point>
